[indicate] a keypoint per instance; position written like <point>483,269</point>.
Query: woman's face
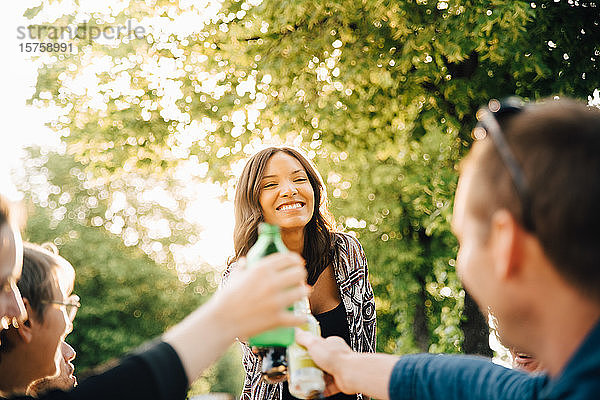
<point>286,197</point>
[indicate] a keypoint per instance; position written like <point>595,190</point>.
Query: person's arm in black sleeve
<point>154,374</point>
<point>253,301</point>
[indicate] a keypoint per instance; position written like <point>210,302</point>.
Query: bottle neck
<point>268,229</point>
<point>302,306</point>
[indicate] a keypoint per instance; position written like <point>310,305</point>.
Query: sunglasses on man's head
<point>488,125</point>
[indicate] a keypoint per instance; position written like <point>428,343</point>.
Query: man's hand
<point>350,372</point>
<point>329,355</point>
<point>256,299</point>
<point>252,301</point>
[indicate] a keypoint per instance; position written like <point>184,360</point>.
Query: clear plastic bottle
<point>305,379</point>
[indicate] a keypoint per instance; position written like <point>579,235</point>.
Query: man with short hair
<point>526,218</point>
<point>32,349</point>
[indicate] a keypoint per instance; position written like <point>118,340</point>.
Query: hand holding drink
<point>306,380</point>
<point>271,345</point>
<point>277,347</point>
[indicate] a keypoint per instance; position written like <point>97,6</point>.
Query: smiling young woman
<point>280,186</point>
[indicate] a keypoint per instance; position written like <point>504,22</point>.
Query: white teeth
<point>290,206</point>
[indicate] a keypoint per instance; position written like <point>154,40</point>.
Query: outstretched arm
<point>352,372</point>
<point>418,376</point>
<point>252,301</point>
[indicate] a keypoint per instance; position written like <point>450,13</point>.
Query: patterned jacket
<point>351,274</point>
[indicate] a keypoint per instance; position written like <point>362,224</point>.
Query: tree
<point>127,298</point>
<point>381,93</point>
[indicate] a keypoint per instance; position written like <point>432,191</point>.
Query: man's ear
<point>25,330</point>
<point>505,244</point>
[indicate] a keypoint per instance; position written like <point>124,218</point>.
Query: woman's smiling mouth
<point>290,206</point>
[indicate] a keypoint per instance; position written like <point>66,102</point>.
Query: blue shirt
<point>429,377</point>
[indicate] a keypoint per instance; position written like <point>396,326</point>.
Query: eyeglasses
<point>71,305</point>
<point>488,125</point>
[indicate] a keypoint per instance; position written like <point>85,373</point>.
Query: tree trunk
<point>420,326</point>
<point>475,329</point>
<point>420,322</point>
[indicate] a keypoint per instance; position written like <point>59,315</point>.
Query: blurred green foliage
<point>382,95</point>
<point>126,298</point>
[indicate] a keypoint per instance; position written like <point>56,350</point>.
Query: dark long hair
<point>317,249</point>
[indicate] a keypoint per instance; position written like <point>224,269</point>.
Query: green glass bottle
<point>271,345</point>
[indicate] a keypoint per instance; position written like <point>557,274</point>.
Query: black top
<point>333,323</point>
<point>154,373</point>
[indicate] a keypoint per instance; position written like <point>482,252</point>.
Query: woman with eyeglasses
<point>34,349</point>
<point>281,186</point>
